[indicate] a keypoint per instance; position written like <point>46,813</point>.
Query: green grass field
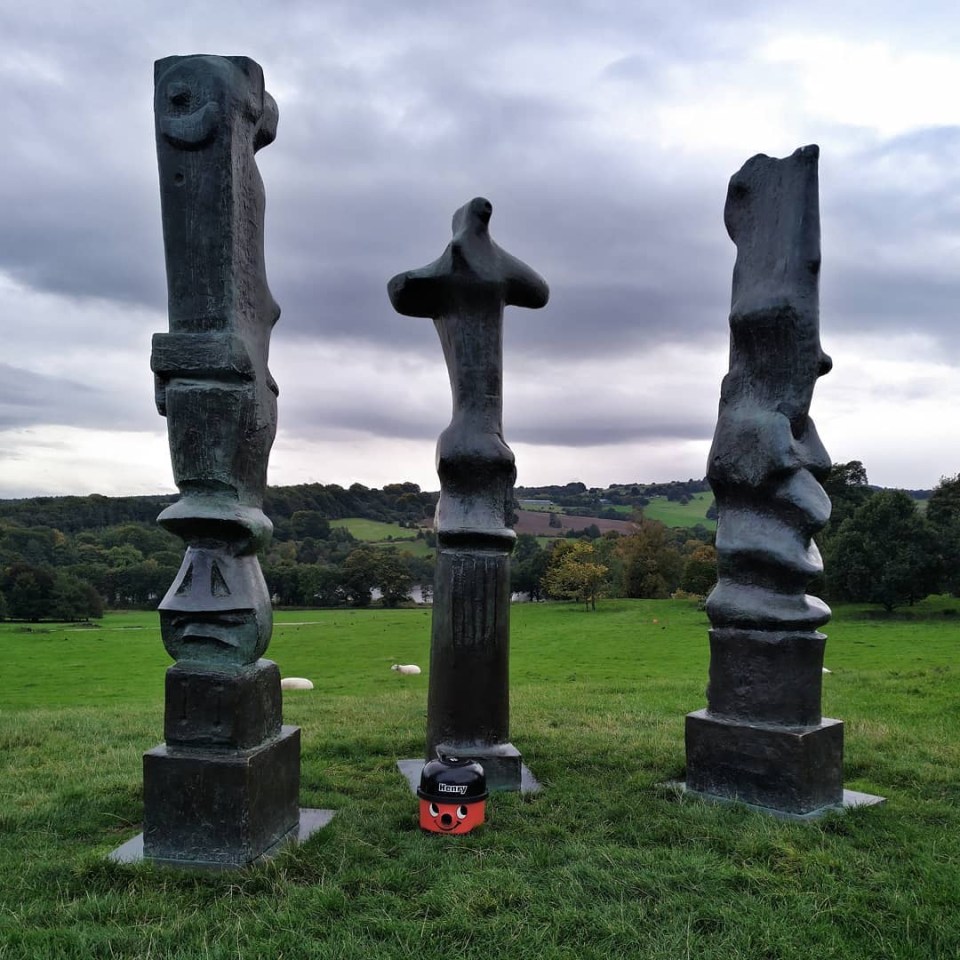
<point>380,534</point>
<point>602,864</point>
<point>675,514</point>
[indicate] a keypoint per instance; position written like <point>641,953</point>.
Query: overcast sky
<point>604,134</point>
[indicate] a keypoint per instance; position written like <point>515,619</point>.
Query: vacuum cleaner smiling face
<point>450,817</point>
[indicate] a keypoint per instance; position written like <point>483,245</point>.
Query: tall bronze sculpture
<point>762,739</point>
<point>464,292</point>
<point>223,788</point>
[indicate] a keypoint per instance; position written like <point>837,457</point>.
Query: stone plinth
<point>212,808</point>
<point>793,769</point>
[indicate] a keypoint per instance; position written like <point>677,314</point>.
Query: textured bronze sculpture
<point>223,788</point>
<point>762,738</point>
<point>212,382</point>
<point>464,292</point>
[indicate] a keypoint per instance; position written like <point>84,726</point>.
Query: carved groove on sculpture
<point>767,461</point>
<point>476,612</point>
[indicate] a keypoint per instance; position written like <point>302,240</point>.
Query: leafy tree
<point>393,578</point>
<point>33,545</point>
<point>884,553</point>
<point>573,574</point>
<point>28,590</point>
<point>342,535</point>
<point>42,593</point>
<point>320,585</point>
<point>528,566</point>
<point>309,523</point>
<point>651,564</point>
<point>848,489</point>
<point>283,582</point>
<point>421,570</point>
<point>310,550</point>
<point>699,570</point>
<point>943,514</point>
<point>139,584</point>
<point>147,538</point>
<point>72,599</point>
<point>123,556</point>
<point>361,573</point>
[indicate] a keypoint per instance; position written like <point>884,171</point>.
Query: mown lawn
<point>602,863</point>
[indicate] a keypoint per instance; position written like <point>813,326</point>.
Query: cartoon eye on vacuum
<point>452,794</point>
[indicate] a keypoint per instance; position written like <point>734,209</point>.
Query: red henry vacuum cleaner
<point>453,794</point>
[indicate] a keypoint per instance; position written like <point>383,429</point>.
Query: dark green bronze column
<point>223,789</point>
<point>762,739</point>
<point>464,292</point>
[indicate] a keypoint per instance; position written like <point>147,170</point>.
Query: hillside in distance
<point>403,503</point>
<point>678,503</point>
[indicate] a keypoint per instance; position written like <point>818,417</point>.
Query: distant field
<point>374,530</point>
<point>538,523</point>
<point>380,534</point>
<point>544,506</point>
<point>675,514</point>
<point>669,512</point>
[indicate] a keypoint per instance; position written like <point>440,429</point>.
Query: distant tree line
<point>70,557</point>
<point>576,498</point>
<point>395,502</point>
<point>885,547</point>
<point>67,558</point>
<point>653,562</point>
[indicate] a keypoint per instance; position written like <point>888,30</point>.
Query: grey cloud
<point>353,193</point>
<point>568,426</point>
<point>32,399</point>
<point>880,229</point>
<point>935,143</point>
<point>556,415</point>
<point>572,428</point>
<point>865,301</point>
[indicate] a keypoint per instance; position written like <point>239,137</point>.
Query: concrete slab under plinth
<point>411,771</point>
<point>851,799</point>
<point>311,820</point>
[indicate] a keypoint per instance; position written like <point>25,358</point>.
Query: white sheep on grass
<point>295,683</point>
<point>406,669</point>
